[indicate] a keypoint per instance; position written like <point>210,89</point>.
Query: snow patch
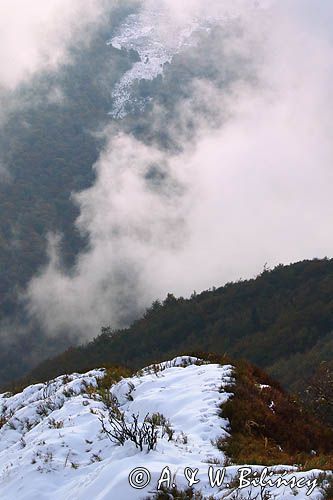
<point>157,36</point>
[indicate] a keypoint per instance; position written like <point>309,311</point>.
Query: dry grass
<point>271,427</point>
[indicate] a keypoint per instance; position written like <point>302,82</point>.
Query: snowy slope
<point>157,35</point>
<point>155,46</point>
<point>52,445</point>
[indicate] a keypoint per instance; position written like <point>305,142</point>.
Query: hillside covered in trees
<point>51,134</point>
<point>282,321</point>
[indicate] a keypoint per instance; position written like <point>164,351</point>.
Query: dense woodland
<point>48,144</point>
<point>49,140</point>
<point>282,321</point>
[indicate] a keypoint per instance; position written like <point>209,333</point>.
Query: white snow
<point>264,386</point>
<point>157,35</point>
<point>52,445</point>
<point>155,46</point>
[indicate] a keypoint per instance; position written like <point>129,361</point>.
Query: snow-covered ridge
<point>52,443</point>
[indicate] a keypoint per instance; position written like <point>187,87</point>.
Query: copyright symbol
<point>139,478</point>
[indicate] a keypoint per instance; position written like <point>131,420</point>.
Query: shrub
<point>176,494</point>
<point>325,483</point>
<point>143,434</point>
<point>159,420</point>
<point>112,376</point>
<point>3,421</point>
<point>319,393</point>
<point>55,424</point>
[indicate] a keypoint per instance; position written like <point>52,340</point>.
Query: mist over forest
<point>149,148</point>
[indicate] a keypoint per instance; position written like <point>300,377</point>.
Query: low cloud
<point>128,220</point>
<point>256,189</point>
<point>34,34</point>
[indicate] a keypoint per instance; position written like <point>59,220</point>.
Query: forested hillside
<point>51,133</point>
<point>47,150</point>
<point>281,321</point>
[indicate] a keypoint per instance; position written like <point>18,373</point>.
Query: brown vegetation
<point>271,427</point>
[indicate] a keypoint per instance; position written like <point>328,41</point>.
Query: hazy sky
<point>255,190</point>
<point>34,34</point>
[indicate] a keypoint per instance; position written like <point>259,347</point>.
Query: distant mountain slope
<point>281,321</point>
<point>78,436</point>
<point>48,149</point>
<point>51,136</point>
